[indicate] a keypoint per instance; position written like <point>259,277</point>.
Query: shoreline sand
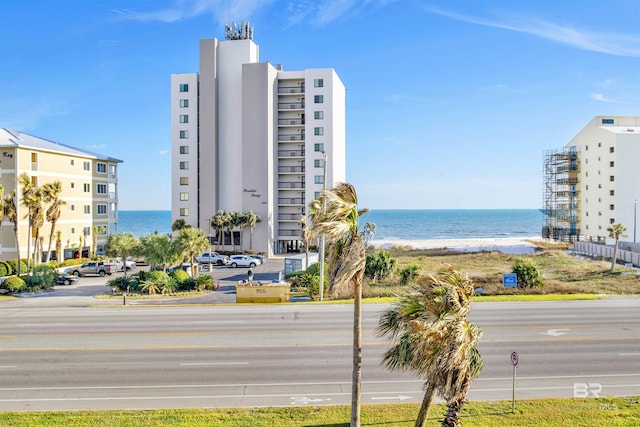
<point>507,245</point>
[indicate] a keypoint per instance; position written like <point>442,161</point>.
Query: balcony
<point>289,233</point>
<point>290,153</point>
<point>291,106</point>
<point>290,201</point>
<point>291,169</point>
<point>291,89</point>
<point>290,122</point>
<point>290,185</point>
<point>291,137</point>
<point>289,217</point>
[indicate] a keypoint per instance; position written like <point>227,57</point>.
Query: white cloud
<point>96,146</point>
<point>607,43</point>
<point>164,152</point>
<point>600,97</point>
<point>221,10</point>
<point>321,13</point>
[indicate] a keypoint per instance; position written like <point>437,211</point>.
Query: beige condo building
<point>89,185</point>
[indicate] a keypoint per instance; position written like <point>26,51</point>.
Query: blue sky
<point>450,103</point>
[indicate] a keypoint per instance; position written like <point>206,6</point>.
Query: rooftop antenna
<point>233,32</point>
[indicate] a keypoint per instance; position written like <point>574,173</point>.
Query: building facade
<point>249,136</point>
<point>89,190</point>
<point>592,182</point>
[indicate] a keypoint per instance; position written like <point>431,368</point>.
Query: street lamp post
<point>210,266</point>
<point>324,187</point>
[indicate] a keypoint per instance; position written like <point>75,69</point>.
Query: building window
<point>101,167</point>
<point>102,230</point>
<point>318,179</point>
<point>184,180</point>
<point>102,209</point>
<point>102,189</point>
<point>318,115</point>
<point>318,131</point>
<point>87,209</point>
<point>87,188</point>
<point>319,163</point>
<point>318,147</point>
<point>184,134</point>
<point>86,231</point>
<point>586,187</point>
<point>316,195</point>
<point>184,165</point>
<point>611,164</point>
<point>86,166</point>
<point>612,207</point>
<point>612,178</point>
<point>611,150</point>
<point>318,99</point>
<point>607,121</point>
<point>184,197</point>
<point>73,162</point>
<point>184,118</point>
<point>318,82</point>
<point>73,230</point>
<point>184,211</point>
<point>599,144</point>
<point>72,207</point>
<point>184,103</point>
<point>184,87</point>
<point>73,185</point>
<point>599,186</point>
<point>612,220</point>
<point>184,149</point>
<point>612,193</point>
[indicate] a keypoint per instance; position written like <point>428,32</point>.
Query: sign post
<point>514,362</point>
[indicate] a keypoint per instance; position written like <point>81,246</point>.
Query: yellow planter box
<point>271,293</point>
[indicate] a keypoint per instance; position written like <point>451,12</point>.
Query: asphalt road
<point>69,358</point>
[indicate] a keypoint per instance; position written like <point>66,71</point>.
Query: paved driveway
<point>83,293</point>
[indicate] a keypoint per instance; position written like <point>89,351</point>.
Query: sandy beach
<point>509,245</point>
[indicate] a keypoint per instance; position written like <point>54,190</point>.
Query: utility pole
<point>324,187</point>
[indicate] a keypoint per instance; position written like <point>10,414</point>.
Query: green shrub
<point>4,269</point>
<point>14,266</point>
<point>529,275</point>
<point>311,283</point>
<point>47,275</point>
<point>313,269</point>
<point>170,286</point>
<point>74,261</point>
<point>410,274</point>
<point>204,282</point>
<point>179,275</point>
<point>33,283</point>
<point>122,284</point>
<point>158,277</point>
<point>188,285</point>
<point>380,265</point>
<point>14,284</point>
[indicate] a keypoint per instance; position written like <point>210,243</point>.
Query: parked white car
<point>243,261</point>
<point>118,265</point>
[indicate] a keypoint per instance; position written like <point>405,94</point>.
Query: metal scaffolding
<point>561,195</point>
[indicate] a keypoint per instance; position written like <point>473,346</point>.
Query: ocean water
<point>431,224</point>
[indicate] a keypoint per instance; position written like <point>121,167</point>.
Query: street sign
<point>510,280</point>
<point>514,358</point>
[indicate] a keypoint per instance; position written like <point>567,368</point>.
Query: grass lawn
<point>543,412</point>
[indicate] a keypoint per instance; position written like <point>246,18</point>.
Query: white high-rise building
<point>249,136</point>
<point>593,182</point>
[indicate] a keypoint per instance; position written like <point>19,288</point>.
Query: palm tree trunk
<point>615,257</point>
<point>357,354</point>
<point>423,414</point>
<point>15,231</point>
<point>53,228</point>
<point>452,419</point>
<point>251,238</point>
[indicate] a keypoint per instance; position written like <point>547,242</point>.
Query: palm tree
<point>179,224</point>
<point>219,222</point>
<point>192,241</point>
<point>160,249</point>
<point>52,195</point>
<point>33,199</point>
<point>242,222</point>
<point>615,232</point>
<point>435,340</point>
<point>94,241</point>
<point>252,220</point>
<point>122,245</point>
<point>233,221</point>
<point>10,211</point>
<point>307,235</point>
<point>339,221</point>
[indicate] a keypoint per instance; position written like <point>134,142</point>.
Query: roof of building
<point>14,138</point>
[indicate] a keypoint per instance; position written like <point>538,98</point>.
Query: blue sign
<point>510,280</point>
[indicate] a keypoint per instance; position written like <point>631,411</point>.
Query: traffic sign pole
<point>514,362</point>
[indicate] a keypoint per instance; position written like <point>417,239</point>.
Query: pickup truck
<point>97,268</point>
<point>212,258</point>
<point>119,266</point>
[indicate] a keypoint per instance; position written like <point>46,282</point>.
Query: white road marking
<point>629,354</point>
<point>213,363</point>
<point>8,366</point>
<point>392,398</point>
<point>555,332</point>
